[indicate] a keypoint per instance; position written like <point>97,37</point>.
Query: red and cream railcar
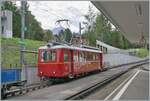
<point>67,61</point>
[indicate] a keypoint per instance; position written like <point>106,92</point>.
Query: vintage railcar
<point>63,61</point>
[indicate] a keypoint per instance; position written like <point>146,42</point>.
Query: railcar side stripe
<point>65,62</point>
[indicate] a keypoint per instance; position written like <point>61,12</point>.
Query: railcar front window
<point>51,55</point>
<point>43,55</point>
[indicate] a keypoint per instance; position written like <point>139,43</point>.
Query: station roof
<point>130,17</point>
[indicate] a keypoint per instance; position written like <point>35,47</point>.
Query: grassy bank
<point>10,52</point>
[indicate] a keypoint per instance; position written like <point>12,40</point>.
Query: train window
<point>43,55</point>
<point>81,57</point>
<point>94,56</point>
<point>97,56</point>
<point>52,55</point>
<point>66,57</point>
<point>89,57</point>
<point>75,58</point>
<point>85,56</point>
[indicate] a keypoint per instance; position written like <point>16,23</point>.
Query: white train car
<point>105,48</point>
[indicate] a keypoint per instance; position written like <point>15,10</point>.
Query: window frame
<point>75,56</point>
<point>47,55</point>
<point>42,55</point>
<point>66,51</point>
<point>52,52</point>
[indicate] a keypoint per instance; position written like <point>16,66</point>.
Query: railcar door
<point>71,61</point>
<point>68,61</point>
<point>101,60</point>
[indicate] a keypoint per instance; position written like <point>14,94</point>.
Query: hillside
<point>10,52</point>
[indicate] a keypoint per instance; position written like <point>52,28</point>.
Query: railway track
<point>80,95</point>
<point>22,90</point>
<point>30,88</point>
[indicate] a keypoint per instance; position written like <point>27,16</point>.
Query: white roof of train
<point>70,47</point>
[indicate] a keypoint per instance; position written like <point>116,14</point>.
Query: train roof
<point>70,47</point>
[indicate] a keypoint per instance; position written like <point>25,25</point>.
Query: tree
<point>100,29</point>
<point>68,35</point>
<point>90,17</point>
<point>61,35</point>
<point>89,33</point>
<point>38,31</point>
<point>64,35</point>
<point>48,35</point>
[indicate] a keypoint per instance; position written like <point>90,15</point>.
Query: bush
<point>142,52</point>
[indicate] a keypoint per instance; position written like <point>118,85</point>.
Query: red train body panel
<point>62,61</point>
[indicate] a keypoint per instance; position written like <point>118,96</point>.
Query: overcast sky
<point>47,12</point>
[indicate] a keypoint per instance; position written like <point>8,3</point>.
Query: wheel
<point>70,76</point>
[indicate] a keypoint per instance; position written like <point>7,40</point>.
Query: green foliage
<point>90,18</point>
<point>89,35</point>
<point>61,35</point>
<point>100,29</point>
<point>68,35</point>
<point>65,35</point>
<point>48,35</point>
<point>10,51</point>
<point>142,52</point>
<point>34,30</point>
<point>116,39</point>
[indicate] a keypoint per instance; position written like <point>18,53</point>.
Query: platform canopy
<point>130,17</point>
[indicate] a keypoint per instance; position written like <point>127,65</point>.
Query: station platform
<point>138,88</point>
<point>133,85</point>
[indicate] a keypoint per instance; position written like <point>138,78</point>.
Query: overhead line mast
<point>22,47</point>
